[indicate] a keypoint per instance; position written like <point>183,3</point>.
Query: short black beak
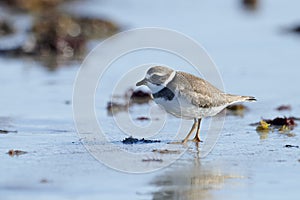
<point>142,82</point>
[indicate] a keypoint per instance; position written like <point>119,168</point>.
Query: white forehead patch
<point>158,74</point>
<point>170,78</point>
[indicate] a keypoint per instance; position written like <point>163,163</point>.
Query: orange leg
<point>191,131</point>
<point>197,136</point>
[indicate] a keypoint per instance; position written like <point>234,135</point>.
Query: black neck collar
<point>165,93</point>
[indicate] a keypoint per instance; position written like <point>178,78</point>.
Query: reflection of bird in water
<point>192,181</point>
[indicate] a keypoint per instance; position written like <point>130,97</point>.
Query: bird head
<point>157,78</point>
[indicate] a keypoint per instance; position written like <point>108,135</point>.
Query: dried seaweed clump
<point>140,97</point>
<point>250,4</point>
<point>114,107</point>
<point>129,98</point>
<point>16,152</point>
<point>281,121</point>
<point>3,131</point>
<point>263,126</point>
<point>65,35</point>
<point>284,107</point>
<point>54,36</point>
<point>132,140</point>
<point>33,5</point>
<point>281,124</point>
<point>5,28</point>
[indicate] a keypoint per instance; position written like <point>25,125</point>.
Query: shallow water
<point>254,57</point>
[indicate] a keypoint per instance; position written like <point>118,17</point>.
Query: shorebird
<point>187,96</point>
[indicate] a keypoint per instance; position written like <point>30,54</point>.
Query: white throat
<point>154,88</point>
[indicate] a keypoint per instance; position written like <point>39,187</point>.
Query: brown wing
<point>198,91</point>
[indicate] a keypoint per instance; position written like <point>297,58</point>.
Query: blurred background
<point>254,43</point>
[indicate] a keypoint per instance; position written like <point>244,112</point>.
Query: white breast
<point>180,107</point>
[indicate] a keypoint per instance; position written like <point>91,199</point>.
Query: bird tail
<point>236,98</point>
<point>247,98</point>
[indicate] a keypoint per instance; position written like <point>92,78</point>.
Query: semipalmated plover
<point>187,96</point>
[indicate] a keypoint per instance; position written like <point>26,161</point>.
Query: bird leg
<point>197,136</point>
<point>191,131</point>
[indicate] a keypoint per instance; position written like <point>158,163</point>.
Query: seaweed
<point>3,131</point>
<point>140,97</point>
<point>54,37</point>
<point>280,121</point>
<point>263,126</point>
<point>16,152</point>
<point>113,107</point>
<point>152,160</point>
<point>131,140</point>
<point>283,125</point>
<point>291,146</point>
<point>143,118</point>
<point>250,4</point>
<point>5,28</point>
<point>284,107</point>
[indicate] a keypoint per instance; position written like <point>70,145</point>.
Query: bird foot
<point>196,139</point>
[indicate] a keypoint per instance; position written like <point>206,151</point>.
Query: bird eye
<point>154,77</point>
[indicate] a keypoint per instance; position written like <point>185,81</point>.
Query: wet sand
<point>253,57</point>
